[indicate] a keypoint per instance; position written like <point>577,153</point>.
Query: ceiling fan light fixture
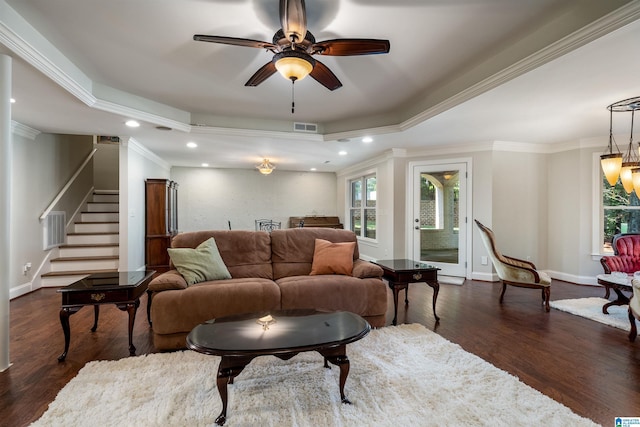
<point>293,64</point>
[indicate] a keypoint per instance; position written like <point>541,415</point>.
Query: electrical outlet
<point>484,260</point>
<point>25,268</point>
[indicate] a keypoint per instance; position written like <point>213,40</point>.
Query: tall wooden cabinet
<point>161,222</point>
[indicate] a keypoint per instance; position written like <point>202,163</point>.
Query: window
<point>362,209</point>
<point>620,212</point>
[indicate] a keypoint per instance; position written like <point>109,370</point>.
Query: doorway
<point>439,217</point>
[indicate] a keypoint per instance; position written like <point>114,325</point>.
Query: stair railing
<point>67,185</point>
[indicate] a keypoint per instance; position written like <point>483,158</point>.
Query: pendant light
<point>612,162</point>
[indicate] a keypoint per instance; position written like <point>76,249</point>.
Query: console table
<point>401,272</point>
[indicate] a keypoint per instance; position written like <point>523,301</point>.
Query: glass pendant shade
<point>635,173</point>
<point>611,165</point>
<point>294,65</point>
<point>626,176</point>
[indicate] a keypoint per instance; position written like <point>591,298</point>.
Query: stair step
<point>82,258</point>
<point>99,216</point>
<point>105,198</point>
<point>96,227</point>
<point>103,207</point>
<point>89,250</point>
<point>92,238</point>
<point>84,263</point>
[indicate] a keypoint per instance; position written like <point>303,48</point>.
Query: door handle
<point>417,227</point>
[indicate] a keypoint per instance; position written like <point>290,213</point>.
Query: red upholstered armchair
<point>626,258</point>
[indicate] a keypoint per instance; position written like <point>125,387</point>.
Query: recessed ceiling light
<point>313,169</point>
<point>205,165</point>
<point>13,101</point>
<point>342,153</point>
<point>192,144</point>
<point>132,123</point>
<point>367,139</point>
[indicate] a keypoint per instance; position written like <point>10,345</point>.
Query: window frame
<point>363,208</point>
<point>597,247</point>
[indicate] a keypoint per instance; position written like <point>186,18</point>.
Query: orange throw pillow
<point>332,258</point>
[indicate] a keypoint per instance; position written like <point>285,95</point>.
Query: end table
<point>123,289</point>
<point>400,272</point>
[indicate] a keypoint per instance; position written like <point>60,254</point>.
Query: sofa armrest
<point>168,280</point>
<point>365,269</point>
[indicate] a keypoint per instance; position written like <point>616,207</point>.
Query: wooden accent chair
<point>513,271</point>
<point>634,309</point>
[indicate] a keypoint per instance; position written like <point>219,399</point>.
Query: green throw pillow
<point>200,264</point>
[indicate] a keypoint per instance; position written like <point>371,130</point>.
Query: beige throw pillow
<point>200,264</point>
<point>332,258</point>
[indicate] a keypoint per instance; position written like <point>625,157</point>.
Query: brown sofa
<point>269,272</point>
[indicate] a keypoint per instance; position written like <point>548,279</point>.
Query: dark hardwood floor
<point>589,367</point>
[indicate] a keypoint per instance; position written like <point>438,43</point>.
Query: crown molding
<point>608,23</point>
<point>135,146</point>
<point>24,130</point>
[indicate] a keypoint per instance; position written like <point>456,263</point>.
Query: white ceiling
<point>459,72</point>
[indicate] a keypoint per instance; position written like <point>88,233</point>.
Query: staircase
<point>92,247</point>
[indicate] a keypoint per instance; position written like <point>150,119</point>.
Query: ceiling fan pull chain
<point>293,104</point>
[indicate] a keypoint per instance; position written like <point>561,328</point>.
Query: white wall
<point>538,203</point>
<point>140,165</point>
<point>106,167</point>
<point>519,213</point>
<point>42,165</point>
<point>209,198</point>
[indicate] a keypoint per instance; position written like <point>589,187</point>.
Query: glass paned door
<point>439,216</point>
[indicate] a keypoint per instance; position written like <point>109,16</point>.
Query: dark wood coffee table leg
<point>131,308</point>
<point>621,300</point>
<point>65,312</point>
<point>634,329</point>
<point>338,357</point>
<point>229,368</point>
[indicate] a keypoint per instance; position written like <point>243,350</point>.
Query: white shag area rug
<point>591,308</point>
<point>400,376</point>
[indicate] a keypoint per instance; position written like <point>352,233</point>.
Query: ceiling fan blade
<point>266,71</point>
<point>323,75</point>
<point>350,47</point>
<point>234,41</point>
<point>293,19</point>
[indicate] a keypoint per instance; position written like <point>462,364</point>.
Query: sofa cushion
<point>293,248</point>
<point>366,297</point>
<point>332,258</point>
<point>171,279</point>
<point>200,264</point>
<point>247,254</point>
<point>179,311</point>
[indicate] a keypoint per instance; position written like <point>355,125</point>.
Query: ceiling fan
<point>293,47</point>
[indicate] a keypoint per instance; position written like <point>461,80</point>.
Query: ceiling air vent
<point>305,127</point>
<point>102,139</point>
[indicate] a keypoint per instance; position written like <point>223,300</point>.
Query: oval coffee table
<point>240,339</point>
